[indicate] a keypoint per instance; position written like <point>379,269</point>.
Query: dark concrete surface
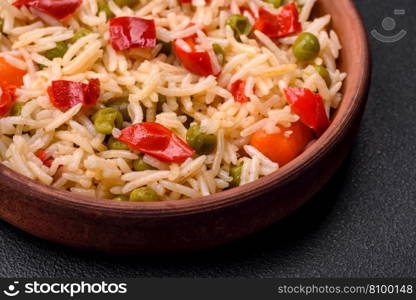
<point>362,224</point>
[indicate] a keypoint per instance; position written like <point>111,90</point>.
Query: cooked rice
<point>82,162</point>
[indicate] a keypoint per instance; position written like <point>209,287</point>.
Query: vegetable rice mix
<point>153,100</point>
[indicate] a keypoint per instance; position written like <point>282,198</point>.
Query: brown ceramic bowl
<point>172,226</point>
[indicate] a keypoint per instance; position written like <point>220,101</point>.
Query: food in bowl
<point>156,100</point>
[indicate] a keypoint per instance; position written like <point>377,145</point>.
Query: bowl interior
<point>353,60</point>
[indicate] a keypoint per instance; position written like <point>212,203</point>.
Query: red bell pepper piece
<point>238,91</point>
<point>283,24</point>
<point>41,154</point>
<point>59,9</point>
<point>309,107</point>
<point>65,94</point>
<point>7,100</point>
<point>157,141</point>
<point>197,62</point>
<point>132,32</point>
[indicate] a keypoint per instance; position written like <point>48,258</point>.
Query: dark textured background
<point>362,224</point>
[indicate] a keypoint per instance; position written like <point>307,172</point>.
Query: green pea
<point>219,52</point>
<point>144,194</point>
<point>306,46</point>
<point>79,34</point>
<point>58,51</point>
<point>166,48</point>
<point>121,104</point>
<point>139,165</point>
<point>17,109</point>
<point>1,24</point>
<point>106,119</point>
<point>114,144</point>
<point>323,72</point>
<point>235,173</point>
<point>240,25</point>
<point>276,3</point>
<point>202,143</point>
<point>121,198</point>
<point>103,6</point>
<point>129,3</point>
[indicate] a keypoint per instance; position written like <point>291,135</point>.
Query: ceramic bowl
<point>172,226</point>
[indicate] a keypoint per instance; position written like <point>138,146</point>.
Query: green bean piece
<point>1,24</point>
<point>17,109</point>
<point>79,34</point>
<point>166,48</point>
<point>129,3</point>
<point>219,52</point>
<point>103,6</point>
<point>121,198</point>
<point>114,144</point>
<point>139,165</point>
<point>235,173</point>
<point>323,72</point>
<point>202,143</point>
<point>306,46</point>
<point>276,3</point>
<point>41,67</point>
<point>106,119</point>
<point>240,25</point>
<point>58,51</point>
<point>121,104</point>
<point>144,194</point>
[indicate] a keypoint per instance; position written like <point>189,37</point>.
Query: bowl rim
<point>345,115</point>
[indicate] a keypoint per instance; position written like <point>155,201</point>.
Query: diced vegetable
<point>238,91</point>
<point>323,72</point>
<point>17,109</point>
<point>283,24</point>
<point>6,100</point>
<point>121,198</point>
<point>284,146</point>
<point>41,154</point>
<point>1,24</point>
<point>144,194</point>
<point>79,34</point>
<point>306,46</point>
<point>235,173</point>
<point>132,32</point>
<point>65,94</point>
<point>106,119</point>
<point>157,141</point>
<point>219,52</point>
<point>240,25</point>
<point>58,51</point>
<point>276,3</point>
<point>203,143</point>
<point>10,76</point>
<point>103,6</point>
<point>309,107</point>
<point>139,165</point>
<point>57,9</point>
<point>129,3</point>
<point>197,62</point>
<point>114,144</point>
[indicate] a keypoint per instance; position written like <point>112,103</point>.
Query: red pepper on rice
<point>157,141</point>
<point>65,94</point>
<point>277,26</point>
<point>132,32</point>
<point>59,10</point>
<point>309,107</point>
